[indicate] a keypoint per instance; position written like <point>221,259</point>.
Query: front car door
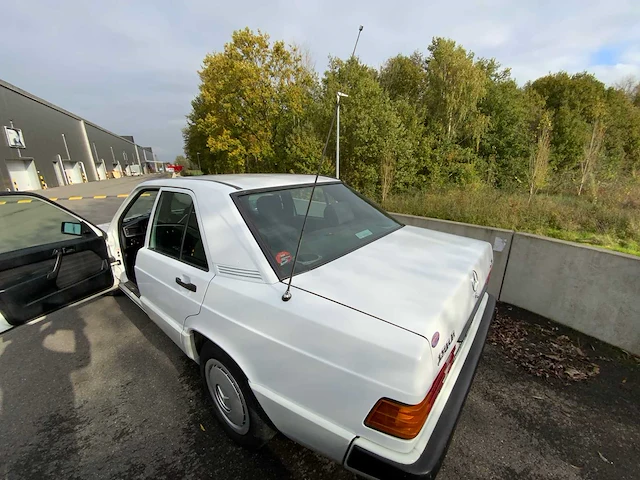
<point>172,270</point>
<point>49,258</point>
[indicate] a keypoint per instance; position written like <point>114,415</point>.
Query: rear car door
<point>172,270</point>
<point>49,258</point>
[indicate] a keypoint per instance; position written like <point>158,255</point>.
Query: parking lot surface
<point>98,391</point>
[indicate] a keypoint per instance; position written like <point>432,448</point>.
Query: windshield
<point>339,222</point>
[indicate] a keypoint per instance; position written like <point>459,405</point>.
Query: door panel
<point>172,270</point>
<point>163,298</point>
<point>42,269</point>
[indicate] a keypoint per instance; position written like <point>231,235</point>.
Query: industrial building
<point>45,146</point>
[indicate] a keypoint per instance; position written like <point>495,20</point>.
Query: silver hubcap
<point>227,396</point>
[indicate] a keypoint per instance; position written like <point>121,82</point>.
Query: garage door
<point>102,170</point>
<point>23,175</point>
<point>73,171</point>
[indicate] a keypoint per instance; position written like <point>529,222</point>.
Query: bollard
<point>43,184</point>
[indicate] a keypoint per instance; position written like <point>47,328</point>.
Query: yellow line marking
<point>24,201</point>
<point>99,196</point>
<point>53,198</point>
<point>123,195</point>
<point>145,195</point>
<point>75,198</point>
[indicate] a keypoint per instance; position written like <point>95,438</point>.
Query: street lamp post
<point>199,167</point>
<point>338,95</point>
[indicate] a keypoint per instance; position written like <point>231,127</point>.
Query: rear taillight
<point>406,421</point>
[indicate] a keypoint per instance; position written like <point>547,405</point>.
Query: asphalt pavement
<point>99,391</point>
<point>110,194</point>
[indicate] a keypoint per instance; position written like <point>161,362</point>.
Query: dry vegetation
<point>610,218</point>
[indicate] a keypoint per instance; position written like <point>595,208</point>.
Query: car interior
<point>133,229</point>
<point>278,217</point>
<point>175,232</point>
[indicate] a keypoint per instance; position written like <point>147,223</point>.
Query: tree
<point>455,86</point>
<point>182,161</point>
<point>434,119</point>
<point>251,97</point>
<point>195,140</point>
<point>630,86</point>
<point>591,152</point>
<point>405,78</point>
<point>372,139</point>
<point>539,157</point>
<point>621,146</point>
<point>576,103</point>
<point>514,118</point>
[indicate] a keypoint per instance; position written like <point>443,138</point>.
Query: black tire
<point>233,403</point>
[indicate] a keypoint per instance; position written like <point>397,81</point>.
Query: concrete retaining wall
<point>499,238</point>
<point>594,291</point>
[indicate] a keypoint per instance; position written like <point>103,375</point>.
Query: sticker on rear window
<point>283,258</point>
<point>363,233</point>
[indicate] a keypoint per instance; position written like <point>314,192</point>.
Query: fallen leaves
<point>540,350</point>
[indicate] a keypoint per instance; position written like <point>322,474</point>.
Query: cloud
<point>132,66</point>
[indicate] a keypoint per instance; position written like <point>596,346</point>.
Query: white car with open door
<point>368,362</point>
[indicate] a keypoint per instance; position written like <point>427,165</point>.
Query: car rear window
<point>340,221</point>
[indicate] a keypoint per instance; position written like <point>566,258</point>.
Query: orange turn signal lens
<point>406,421</point>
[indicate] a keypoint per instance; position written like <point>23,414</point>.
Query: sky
<point>132,66</point>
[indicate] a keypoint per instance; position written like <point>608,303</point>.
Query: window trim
<point>235,197</point>
<point>194,206</point>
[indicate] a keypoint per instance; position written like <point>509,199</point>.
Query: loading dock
<point>73,171</point>
<point>23,174</point>
<point>102,170</point>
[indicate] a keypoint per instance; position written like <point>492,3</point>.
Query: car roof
<point>254,181</point>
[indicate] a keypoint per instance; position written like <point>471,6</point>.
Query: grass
<point>611,220</point>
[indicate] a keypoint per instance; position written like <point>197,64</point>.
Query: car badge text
<point>446,347</point>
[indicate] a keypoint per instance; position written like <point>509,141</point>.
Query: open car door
<point>49,258</point>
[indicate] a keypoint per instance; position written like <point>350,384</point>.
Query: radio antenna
<point>286,296</point>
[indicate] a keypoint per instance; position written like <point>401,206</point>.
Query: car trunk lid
<point>421,280</point>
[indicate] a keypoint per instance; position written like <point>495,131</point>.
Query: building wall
<point>42,128</point>
<point>104,142</point>
<point>43,125</point>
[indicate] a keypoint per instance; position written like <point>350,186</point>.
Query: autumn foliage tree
<point>254,100</point>
<point>428,120</point>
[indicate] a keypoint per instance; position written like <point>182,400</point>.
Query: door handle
<point>189,286</point>
<point>56,267</point>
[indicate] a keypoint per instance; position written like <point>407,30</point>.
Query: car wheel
<point>234,405</point>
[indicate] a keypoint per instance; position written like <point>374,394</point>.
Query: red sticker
<point>283,258</point>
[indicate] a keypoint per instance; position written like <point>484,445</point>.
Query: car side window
<point>141,206</point>
<point>175,231</point>
<point>27,222</point>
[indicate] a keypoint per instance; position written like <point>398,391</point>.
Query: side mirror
<point>71,228</point>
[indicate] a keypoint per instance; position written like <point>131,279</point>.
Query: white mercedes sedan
<point>370,360</point>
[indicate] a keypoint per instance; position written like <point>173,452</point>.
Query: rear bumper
<point>374,466</point>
